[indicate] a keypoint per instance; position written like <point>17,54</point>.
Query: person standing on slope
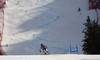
<point>43,49</point>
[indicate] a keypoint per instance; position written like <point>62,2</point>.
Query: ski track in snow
<point>41,3</point>
<point>46,15</point>
<point>48,23</point>
<point>46,40</point>
<point>42,26</point>
<point>37,37</point>
<point>65,51</point>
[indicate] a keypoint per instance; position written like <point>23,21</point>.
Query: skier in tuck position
<point>43,49</point>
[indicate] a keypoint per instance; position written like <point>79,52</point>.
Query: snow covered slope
<point>52,57</point>
<point>55,23</point>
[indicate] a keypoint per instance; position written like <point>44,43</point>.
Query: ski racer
<point>43,49</point>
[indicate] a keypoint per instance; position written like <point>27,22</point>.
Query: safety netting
<point>2,3</point>
<point>95,4</point>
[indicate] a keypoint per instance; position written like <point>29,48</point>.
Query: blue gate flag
<point>73,49</point>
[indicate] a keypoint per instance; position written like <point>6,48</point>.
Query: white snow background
<point>55,23</point>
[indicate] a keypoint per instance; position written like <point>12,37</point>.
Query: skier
<point>43,49</point>
<point>79,9</point>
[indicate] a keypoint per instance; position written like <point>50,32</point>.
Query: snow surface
<point>52,57</point>
<point>55,23</point>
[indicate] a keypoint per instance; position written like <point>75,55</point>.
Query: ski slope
<point>52,57</point>
<point>55,23</point>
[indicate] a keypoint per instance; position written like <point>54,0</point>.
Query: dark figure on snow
<point>79,9</point>
<point>43,49</point>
